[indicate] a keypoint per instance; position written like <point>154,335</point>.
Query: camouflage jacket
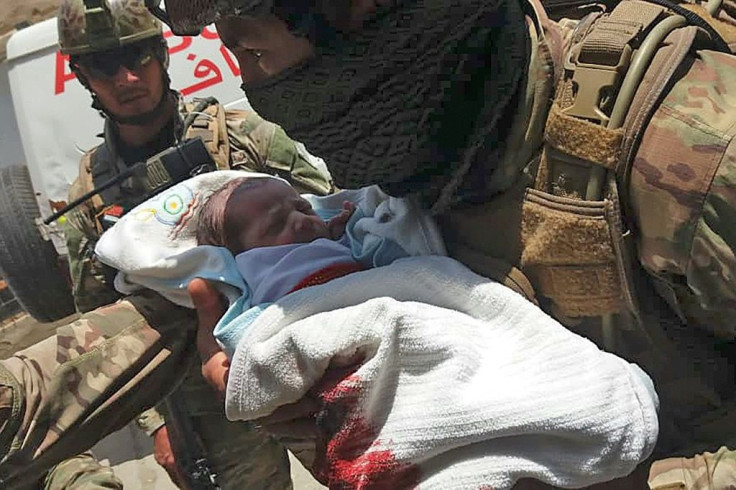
<point>236,139</point>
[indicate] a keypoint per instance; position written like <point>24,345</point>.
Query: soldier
<point>453,102</point>
<point>118,53</point>
<point>611,174</point>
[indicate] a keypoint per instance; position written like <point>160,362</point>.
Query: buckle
<point>589,83</point>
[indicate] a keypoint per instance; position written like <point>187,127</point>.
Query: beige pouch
<point>575,254</point>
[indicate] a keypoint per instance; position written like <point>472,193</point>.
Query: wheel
<point>9,306</point>
<point>29,263</point>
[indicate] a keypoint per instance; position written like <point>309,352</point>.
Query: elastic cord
<point>698,21</point>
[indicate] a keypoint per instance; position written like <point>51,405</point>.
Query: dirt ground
<point>13,12</point>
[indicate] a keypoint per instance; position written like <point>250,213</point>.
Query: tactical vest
<point>565,231</point>
<point>102,164</point>
<point>591,136</point>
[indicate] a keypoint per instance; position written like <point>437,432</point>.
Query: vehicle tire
<point>29,263</point>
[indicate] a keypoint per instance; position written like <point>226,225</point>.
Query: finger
<point>207,301</point>
<point>215,371</point>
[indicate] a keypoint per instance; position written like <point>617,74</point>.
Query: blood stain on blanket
<point>354,457</point>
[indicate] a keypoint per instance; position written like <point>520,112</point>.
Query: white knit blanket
<point>456,382</point>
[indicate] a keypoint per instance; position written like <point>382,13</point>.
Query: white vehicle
<point>47,122</point>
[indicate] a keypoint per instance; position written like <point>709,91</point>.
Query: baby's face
<point>273,214</point>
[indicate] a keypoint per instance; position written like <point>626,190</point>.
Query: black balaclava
<point>420,91</point>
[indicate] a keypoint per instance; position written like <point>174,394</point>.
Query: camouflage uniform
<point>644,268</point>
<point>709,471</point>
<point>80,473</point>
<point>679,200</point>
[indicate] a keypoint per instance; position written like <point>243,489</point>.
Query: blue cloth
<point>377,252</point>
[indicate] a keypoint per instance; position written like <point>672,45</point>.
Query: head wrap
<point>416,96</point>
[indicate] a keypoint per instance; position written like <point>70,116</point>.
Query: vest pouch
<point>574,252</point>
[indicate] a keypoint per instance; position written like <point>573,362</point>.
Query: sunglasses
<point>106,64</point>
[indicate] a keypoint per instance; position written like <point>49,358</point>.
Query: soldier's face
<point>262,46</point>
<point>128,91</point>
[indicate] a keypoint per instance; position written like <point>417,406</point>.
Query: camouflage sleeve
<point>261,146</point>
<point>702,471</point>
<point>711,296</point>
<point>91,280</point>
<point>60,396</point>
<point>683,195</point>
<point>150,421</point>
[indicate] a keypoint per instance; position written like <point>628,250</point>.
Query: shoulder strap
<point>584,134</point>
<point>497,270</point>
<point>93,167</point>
<point>82,217</point>
<point>209,124</point>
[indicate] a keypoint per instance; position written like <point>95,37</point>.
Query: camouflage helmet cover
<point>88,26</point>
<point>189,17</point>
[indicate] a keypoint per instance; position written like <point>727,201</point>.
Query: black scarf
<point>421,89</point>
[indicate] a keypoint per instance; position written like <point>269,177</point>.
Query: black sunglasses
<point>106,64</point>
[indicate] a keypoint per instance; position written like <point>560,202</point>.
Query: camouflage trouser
<point>62,395</point>
<point>79,473</point>
<point>242,456</point>
<point>707,471</point>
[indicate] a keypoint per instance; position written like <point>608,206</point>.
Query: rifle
<point>160,172</point>
<point>190,455</point>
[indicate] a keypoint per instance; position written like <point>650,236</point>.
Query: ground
<point>14,13</point>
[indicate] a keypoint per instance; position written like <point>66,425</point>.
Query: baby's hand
<point>336,225</point>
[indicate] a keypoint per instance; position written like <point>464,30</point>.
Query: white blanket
<point>460,383</point>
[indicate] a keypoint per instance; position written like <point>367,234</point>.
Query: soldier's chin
<point>135,107</point>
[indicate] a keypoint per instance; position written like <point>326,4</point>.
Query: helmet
<point>89,26</point>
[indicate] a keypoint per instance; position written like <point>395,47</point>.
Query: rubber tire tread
<point>29,263</point>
